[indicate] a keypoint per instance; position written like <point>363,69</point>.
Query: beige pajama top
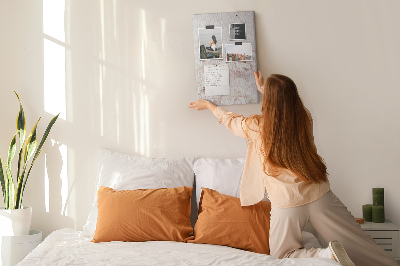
<point>284,188</point>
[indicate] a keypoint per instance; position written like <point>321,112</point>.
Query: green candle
<point>367,212</point>
<point>378,214</point>
<point>378,196</point>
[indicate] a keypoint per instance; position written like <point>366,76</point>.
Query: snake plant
<point>27,149</point>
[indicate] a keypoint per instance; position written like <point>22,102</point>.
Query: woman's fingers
<point>202,105</point>
<point>259,81</point>
<point>259,78</point>
<point>198,105</point>
<point>192,105</point>
<point>256,75</point>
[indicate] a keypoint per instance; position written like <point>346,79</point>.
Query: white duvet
<point>70,247</point>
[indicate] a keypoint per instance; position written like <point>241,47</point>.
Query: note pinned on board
<point>216,80</point>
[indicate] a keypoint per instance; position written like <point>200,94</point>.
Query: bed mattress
<point>71,247</point>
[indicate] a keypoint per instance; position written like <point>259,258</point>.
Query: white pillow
<point>126,172</point>
<point>222,175</point>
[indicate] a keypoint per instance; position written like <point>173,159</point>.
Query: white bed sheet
<point>70,247</point>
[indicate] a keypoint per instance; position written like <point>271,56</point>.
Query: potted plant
<point>15,219</point>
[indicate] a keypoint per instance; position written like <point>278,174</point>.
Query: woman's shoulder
<point>252,125</point>
<point>254,121</point>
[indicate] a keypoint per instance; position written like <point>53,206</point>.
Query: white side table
<point>15,248</point>
<point>386,235</point>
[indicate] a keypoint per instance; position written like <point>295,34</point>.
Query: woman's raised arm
<point>202,105</point>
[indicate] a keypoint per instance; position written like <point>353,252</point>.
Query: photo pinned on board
<point>210,43</point>
<point>238,52</point>
<point>237,31</point>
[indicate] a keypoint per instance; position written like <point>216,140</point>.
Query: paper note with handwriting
<point>216,80</point>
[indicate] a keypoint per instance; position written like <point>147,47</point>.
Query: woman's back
<point>285,187</point>
<point>286,131</point>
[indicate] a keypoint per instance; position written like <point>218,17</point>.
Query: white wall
<point>122,74</point>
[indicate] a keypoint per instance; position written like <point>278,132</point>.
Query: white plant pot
<point>15,222</point>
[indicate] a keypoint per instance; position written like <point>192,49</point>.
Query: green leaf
<point>29,150</point>
<point>10,182</point>
<point>46,133</point>
<point>3,184</point>
<point>21,123</point>
<point>21,130</point>
<point>20,191</point>
<point>31,144</point>
<point>11,194</point>
<point>11,151</point>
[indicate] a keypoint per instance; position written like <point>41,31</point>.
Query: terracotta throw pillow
<point>223,221</point>
<point>143,215</point>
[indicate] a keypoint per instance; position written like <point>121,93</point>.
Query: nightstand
<point>386,235</point>
<point>15,248</point>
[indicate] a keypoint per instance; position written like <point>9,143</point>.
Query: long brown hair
<point>287,131</point>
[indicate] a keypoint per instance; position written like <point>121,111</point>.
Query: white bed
<point>125,172</point>
<point>70,247</point>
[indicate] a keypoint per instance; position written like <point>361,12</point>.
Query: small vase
<point>15,222</point>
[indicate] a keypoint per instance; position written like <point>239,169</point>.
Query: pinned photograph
<point>238,52</point>
<point>210,43</point>
<point>237,31</point>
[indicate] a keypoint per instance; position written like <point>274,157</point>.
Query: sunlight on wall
<point>64,179</point>
<point>115,18</point>
<point>54,57</point>
<point>163,31</point>
<point>112,75</point>
<point>53,19</point>
<point>46,187</point>
<point>117,113</point>
<point>60,152</point>
<point>68,63</point>
<point>144,123</point>
<point>101,74</point>
<point>54,82</point>
<point>102,57</point>
<point>140,97</point>
<point>103,46</point>
<point>54,78</point>
<point>141,121</point>
<point>143,37</point>
<point>135,121</point>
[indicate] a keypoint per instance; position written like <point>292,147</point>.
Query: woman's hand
<point>259,81</point>
<point>202,105</point>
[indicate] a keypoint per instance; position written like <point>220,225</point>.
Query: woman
<point>213,42</point>
<point>282,159</point>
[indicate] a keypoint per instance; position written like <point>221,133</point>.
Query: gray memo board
<point>243,89</point>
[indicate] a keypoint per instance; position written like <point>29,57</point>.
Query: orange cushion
<point>143,215</point>
<point>223,221</point>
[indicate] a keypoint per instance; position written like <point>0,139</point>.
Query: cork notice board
<point>225,57</point>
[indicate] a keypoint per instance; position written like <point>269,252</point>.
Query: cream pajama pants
<point>332,221</point>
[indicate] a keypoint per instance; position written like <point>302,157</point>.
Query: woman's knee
<point>280,253</point>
